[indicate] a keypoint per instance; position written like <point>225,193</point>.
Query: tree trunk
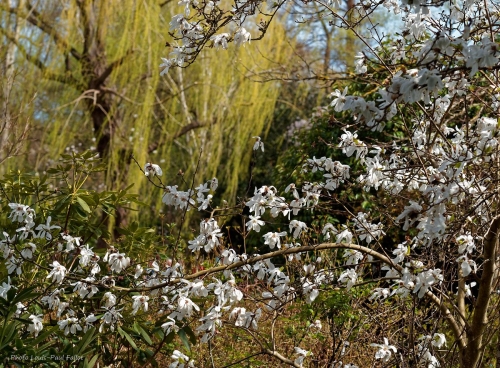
<point>9,70</point>
<point>105,117</point>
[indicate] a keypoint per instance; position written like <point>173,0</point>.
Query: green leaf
<point>128,337</point>
<point>83,204</point>
<point>143,333</point>
<point>85,341</point>
<point>184,338</point>
<point>190,333</point>
<point>92,361</point>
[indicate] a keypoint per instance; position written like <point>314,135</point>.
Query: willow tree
<point>96,70</point>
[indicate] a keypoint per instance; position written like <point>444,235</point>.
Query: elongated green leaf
<point>85,341</point>
<point>143,333</point>
<point>92,361</point>
<point>190,333</point>
<point>184,338</point>
<point>128,337</point>
<point>83,204</point>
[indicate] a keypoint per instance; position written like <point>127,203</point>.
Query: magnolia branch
<point>458,330</point>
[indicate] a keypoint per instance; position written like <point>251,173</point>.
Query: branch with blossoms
<point>442,166</point>
<point>418,143</point>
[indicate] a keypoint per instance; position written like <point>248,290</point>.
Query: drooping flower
<point>302,354</point>
<point>297,227</point>
<point>36,324</point>
<point>385,350</point>
<point>170,326</point>
<point>242,36</point>
<point>258,144</point>
<point>220,40</point>
<point>140,302</point>
<point>273,239</point>
<point>152,169</point>
<point>4,288</point>
<point>109,299</point>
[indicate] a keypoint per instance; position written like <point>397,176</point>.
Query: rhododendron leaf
<point>128,337</point>
<point>83,204</point>
<point>184,338</point>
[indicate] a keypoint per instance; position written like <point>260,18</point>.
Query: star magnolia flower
<point>438,340</point>
<point>220,40</point>
<point>329,230</point>
<point>170,326</point>
<point>69,325</point>
<point>138,271</point>
<point>167,63</point>
<point>152,169</point>
<point>88,321</point>
<point>58,272</point>
<point>110,318</point>
<point>71,242</point>
<point>118,262</point>
<point>20,308</point>
<point>45,229</point>
<point>109,299</point>
<point>273,239</point>
<point>384,352</point>
<point>140,301</point>
<point>258,144</point>
<point>52,300</point>
<point>339,100</point>
<point>214,183</point>
<point>180,359</point>
<point>85,290</point>
<point>28,251</point>
<point>302,354</point>
<point>297,227</point>
<point>242,36</point>
<point>86,255</point>
<point>254,223</point>
<point>185,308</point>
<point>36,324</point>
<point>4,288</point>
<point>316,324</point>
<point>19,212</point>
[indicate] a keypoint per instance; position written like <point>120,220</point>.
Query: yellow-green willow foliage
<point>95,68</point>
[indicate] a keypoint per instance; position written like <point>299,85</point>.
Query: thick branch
<point>281,357</point>
<point>185,129</point>
<point>480,317</point>
<point>457,330</point>
<point>109,69</point>
<point>252,260</point>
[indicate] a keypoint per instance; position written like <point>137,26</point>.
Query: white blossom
<point>58,272</point>
<point>385,350</point>
<point>140,302</point>
<point>258,144</point>
<point>69,324</point>
<point>36,324</point>
<point>152,170</point>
